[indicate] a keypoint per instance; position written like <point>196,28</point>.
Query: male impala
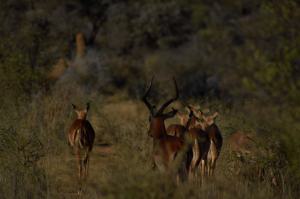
<point>81,137</point>
<point>166,148</point>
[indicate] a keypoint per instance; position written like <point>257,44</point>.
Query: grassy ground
<point>120,161</point>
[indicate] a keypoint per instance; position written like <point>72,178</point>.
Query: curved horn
<point>144,98</point>
<point>167,103</point>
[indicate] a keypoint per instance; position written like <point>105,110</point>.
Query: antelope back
<point>240,142</point>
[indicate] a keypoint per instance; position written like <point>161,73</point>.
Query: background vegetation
<point>240,58</point>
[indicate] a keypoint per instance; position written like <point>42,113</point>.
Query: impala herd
<point>196,141</point>
<point>188,150</point>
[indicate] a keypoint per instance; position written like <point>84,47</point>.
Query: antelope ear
<point>216,114</point>
<point>195,107</point>
<point>74,107</point>
<point>198,113</point>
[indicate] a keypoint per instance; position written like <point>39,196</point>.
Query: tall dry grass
<point>36,161</point>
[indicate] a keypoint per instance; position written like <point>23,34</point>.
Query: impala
<point>179,130</point>
<point>246,146</point>
<point>198,138</point>
<point>241,143</point>
<point>200,147</point>
<point>216,139</point>
<point>81,138</point>
<point>176,130</point>
<point>166,148</point>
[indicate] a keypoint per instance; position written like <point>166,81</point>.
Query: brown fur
<point>81,137</point>
<point>216,142</point>
<point>198,140</point>
<point>166,148</point>
<point>215,138</point>
<point>240,143</point>
<point>176,130</point>
<point>200,149</point>
<point>183,118</point>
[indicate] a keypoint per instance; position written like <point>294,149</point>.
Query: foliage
<point>241,58</point>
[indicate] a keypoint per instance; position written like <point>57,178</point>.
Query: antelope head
<point>201,119</point>
<point>196,109</point>
<point>183,118</point>
<point>157,117</point>
<point>81,113</point>
<point>208,120</point>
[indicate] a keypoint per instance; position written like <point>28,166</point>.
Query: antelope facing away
<point>81,137</point>
<point>215,136</point>
<point>166,148</point>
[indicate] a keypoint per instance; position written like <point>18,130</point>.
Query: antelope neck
<point>158,128</point>
<point>81,119</point>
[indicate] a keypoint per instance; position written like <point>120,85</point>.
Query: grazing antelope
<point>215,136</point>
<point>246,147</point>
<point>166,148</point>
<point>81,137</point>
<point>240,143</point>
